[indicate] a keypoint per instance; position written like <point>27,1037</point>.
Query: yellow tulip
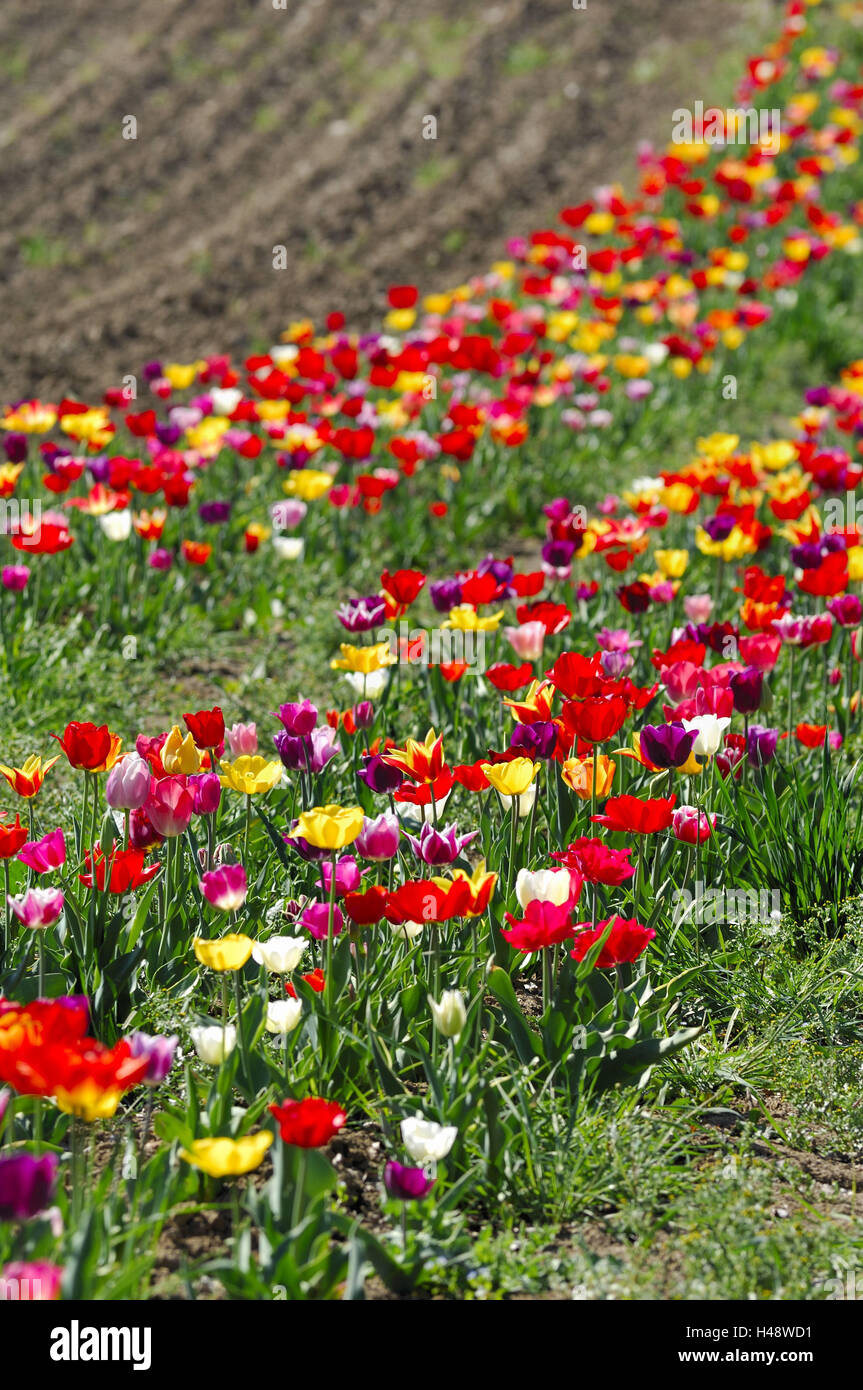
<point>88,1101</point>
<point>228,1158</point>
<point>179,753</point>
<point>512,778</point>
<point>330,827</point>
<point>363,659</point>
<point>308,483</point>
<point>672,562</point>
<point>251,774</point>
<point>466,619</point>
<point>228,953</point>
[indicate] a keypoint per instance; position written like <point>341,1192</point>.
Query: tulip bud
<point>449,1015</point>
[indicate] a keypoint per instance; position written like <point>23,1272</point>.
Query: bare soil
<point>302,127</point>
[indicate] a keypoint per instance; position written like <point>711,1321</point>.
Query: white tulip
<point>281,954</point>
<point>370,686</point>
<point>289,547</point>
<point>214,1043</point>
<point>449,1013</point>
<point>710,731</point>
<point>117,526</point>
<point>284,1015</point>
<point>225,399</point>
<point>526,800</point>
<point>545,886</point>
<point>425,1140</point>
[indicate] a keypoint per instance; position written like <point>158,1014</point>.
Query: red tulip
<point>308,1124</point>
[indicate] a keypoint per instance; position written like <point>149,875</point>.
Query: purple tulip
<point>379,775</point>
<point>159,1051</point>
<point>362,614</point>
<point>214,513</point>
<point>406,1184</point>
<point>847,609</point>
<point>747,687</point>
<point>667,745</point>
<point>445,594</point>
<point>379,838</point>
<point>615,665</point>
<point>128,784</point>
<point>364,714</point>
<point>26,1185</point>
<point>761,744</point>
<point>719,527</point>
<point>538,740</point>
<point>435,846</point>
<point>160,559</point>
<point>15,447</point>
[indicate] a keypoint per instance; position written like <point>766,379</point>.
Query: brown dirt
<point>302,127</point>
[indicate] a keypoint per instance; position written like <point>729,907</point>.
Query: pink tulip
<point>128,784</point>
<point>225,887</point>
<point>38,907</point>
<point>689,826</point>
<point>242,740</point>
<point>698,607</point>
<point>45,854</point>
<point>169,806</point>
<point>526,640</point>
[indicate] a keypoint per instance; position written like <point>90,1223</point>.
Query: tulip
<point>26,1185</point>
<point>88,747</point>
<point>45,854</point>
<point>578,773</point>
<point>283,1015</point>
<point>206,789</point>
<point>527,641</point>
<point>544,924</point>
<point>435,847</point>
<point>27,780</point>
<point>38,907</point>
<point>449,1014</point>
<point>310,1123</point>
<point>117,525</point>
<point>280,954</point>
<point>180,753</point>
<point>379,838</point>
<point>207,728</point>
<point>242,740</point>
<point>159,1052</point>
<point>169,806</point>
<point>128,784</point>
<point>251,775</point>
<point>625,943</point>
<point>692,826</point>
<point>709,731</point>
<point>228,1158</point>
<point>299,718</point>
<point>347,877</point>
<point>667,745</point>
<point>30,1281</point>
<point>214,1043</point>
<point>316,918</point>
<point>331,827</point>
<point>593,861</point>
<point>380,776</point>
<point>229,952</point>
<point>698,607</point>
<point>406,1184</point>
<point>761,744</point>
<point>545,885</point>
<point>511,778</point>
<point>225,888</point>
<point>425,1140</point>
<point>14,577</point>
<point>13,835</point>
<point>747,688</point>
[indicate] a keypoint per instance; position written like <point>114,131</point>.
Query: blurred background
<point>303,127</point>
